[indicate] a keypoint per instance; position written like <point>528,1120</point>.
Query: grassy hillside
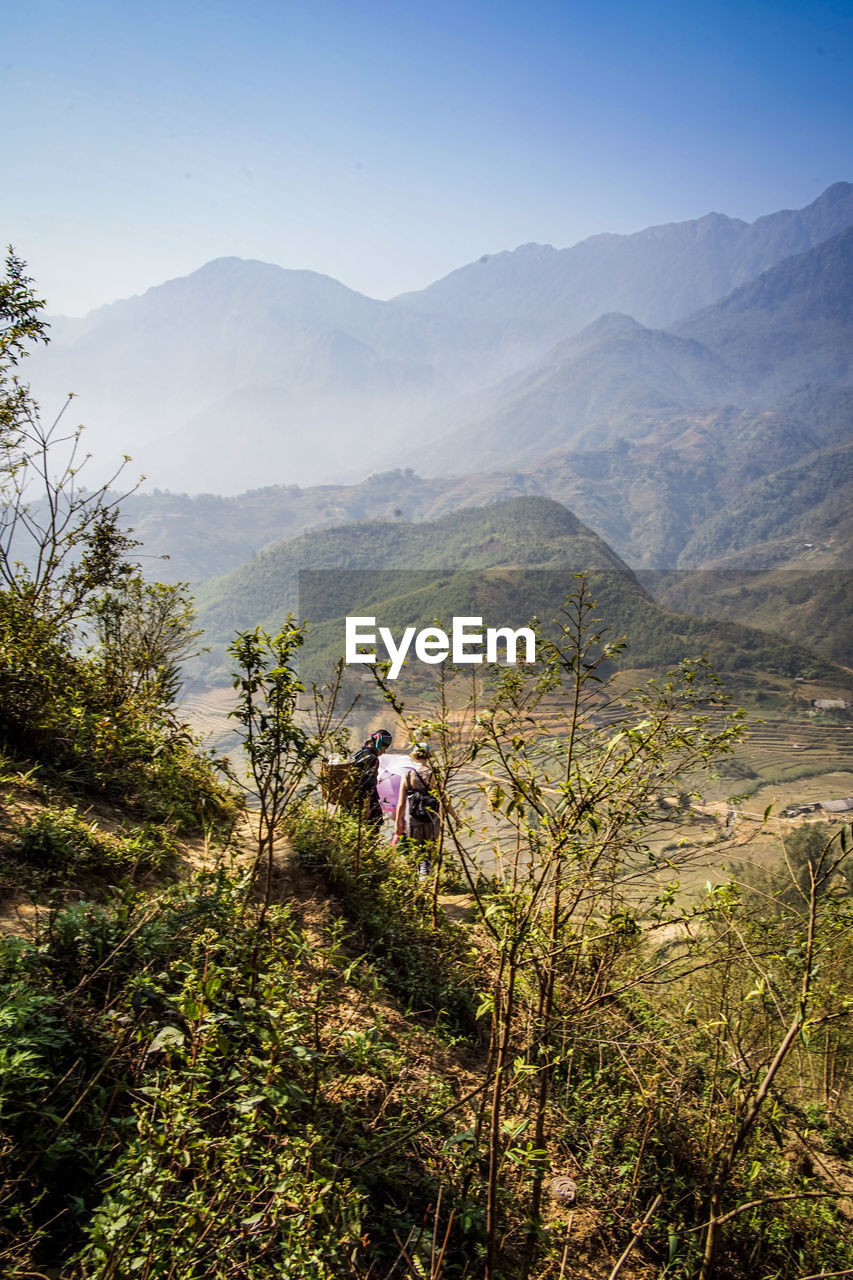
<point>340,1075</point>
<point>813,603</point>
<point>534,547</point>
<point>535,532</point>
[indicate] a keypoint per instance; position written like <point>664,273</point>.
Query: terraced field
<point>781,763</point>
<point>207,715</point>
<point>802,760</point>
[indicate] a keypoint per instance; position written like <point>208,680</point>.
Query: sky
<point>387,143</point>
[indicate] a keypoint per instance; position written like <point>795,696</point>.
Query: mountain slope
<point>506,562</point>
<point>648,499</point>
<point>791,325</point>
<point>532,532</point>
<point>794,325</point>
<point>804,508</point>
<point>614,379</point>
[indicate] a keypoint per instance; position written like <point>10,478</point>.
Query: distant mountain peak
<point>838,193</point>
<point>611,325</point>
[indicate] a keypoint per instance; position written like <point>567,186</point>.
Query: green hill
<point>523,532</point>
<point>506,563</point>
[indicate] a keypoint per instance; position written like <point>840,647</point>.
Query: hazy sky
<point>387,143</point>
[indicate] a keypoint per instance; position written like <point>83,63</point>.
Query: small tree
<point>145,632</point>
<point>59,541</point>
<point>573,772</point>
<point>279,751</point>
<point>798,965</point>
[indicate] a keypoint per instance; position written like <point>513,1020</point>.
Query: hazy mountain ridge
<point>208,535</point>
<point>595,388</point>
<point>221,376</point>
<point>651,498</point>
<point>791,326</point>
<point>655,275</point>
<point>227,379</point>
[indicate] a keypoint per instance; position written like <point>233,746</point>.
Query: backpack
<point>423,805</point>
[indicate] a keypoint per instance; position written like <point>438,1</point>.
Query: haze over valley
<point>229,379</point>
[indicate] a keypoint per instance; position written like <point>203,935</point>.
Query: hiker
<point>418,819</point>
<point>367,757</point>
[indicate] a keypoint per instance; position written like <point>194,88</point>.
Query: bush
<point>57,706</point>
<point>208,1096</point>
<point>59,840</point>
<point>429,963</point>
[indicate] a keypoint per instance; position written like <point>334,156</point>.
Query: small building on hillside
<point>820,806</point>
<point>837,806</point>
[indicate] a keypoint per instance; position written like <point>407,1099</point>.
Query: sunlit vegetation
<point>275,1053</point>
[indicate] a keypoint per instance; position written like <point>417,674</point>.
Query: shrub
<point>428,963</point>
<point>60,840</point>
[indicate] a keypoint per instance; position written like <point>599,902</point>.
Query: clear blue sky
<point>387,143</point>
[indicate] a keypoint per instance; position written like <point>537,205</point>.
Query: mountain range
<point>678,452</point>
<point>657,275</point>
<point>791,327</point>
<point>230,378</point>
<point>686,391</point>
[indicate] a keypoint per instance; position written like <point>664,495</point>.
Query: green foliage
<point>639,1102</point>
<point>58,846</point>
<point>102,719</point>
<point>59,541</point>
<point>57,1073</point>
<point>225,1173</point>
<point>60,707</point>
<point>21,319</point>
<point>428,964</point>
<point>210,1086</point>
<point>279,751</point>
<point>145,632</point>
